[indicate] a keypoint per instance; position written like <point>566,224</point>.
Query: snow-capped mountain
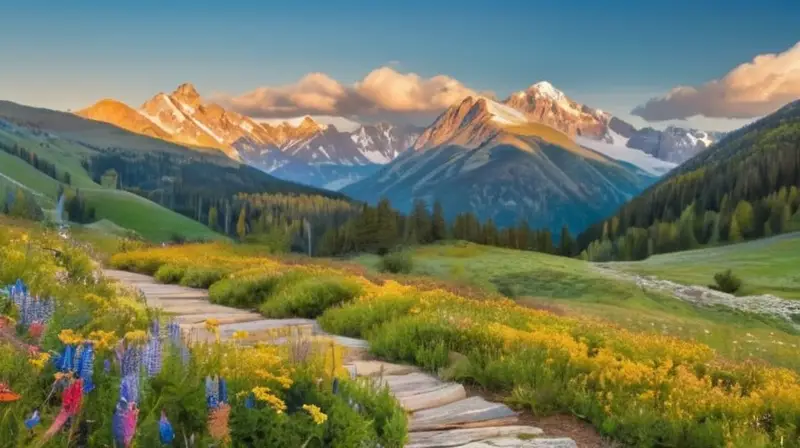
<point>487,157</point>
<point>543,103</point>
<point>674,144</point>
<point>289,150</point>
<point>651,150</point>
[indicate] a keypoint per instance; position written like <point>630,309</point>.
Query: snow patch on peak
<point>615,147</point>
<point>546,89</point>
<point>503,114</point>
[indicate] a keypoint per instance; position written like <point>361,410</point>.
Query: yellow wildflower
<point>264,394</point>
<point>103,340</point>
<point>69,337</point>
<point>315,412</point>
<point>212,325</point>
<point>39,361</point>
<point>239,335</point>
<point>136,336</point>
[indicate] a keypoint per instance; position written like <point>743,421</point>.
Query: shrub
<point>245,292</point>
<point>309,297</point>
<point>170,273</point>
<point>357,319</point>
<point>201,277</point>
<point>727,282</point>
<point>397,263</point>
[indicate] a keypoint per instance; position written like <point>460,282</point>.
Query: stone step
<point>380,368</point>
<point>513,442</point>
<point>440,396</point>
<point>188,320</point>
<point>471,412</point>
<point>459,437</point>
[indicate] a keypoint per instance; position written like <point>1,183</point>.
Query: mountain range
<point>306,151</point>
<point>303,150</point>
<point>495,161</point>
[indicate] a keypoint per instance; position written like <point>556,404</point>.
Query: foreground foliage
<point>641,388</point>
<point>178,390</point>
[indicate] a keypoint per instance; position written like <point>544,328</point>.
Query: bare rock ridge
<point>440,413</point>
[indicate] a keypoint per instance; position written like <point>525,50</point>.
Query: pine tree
<point>524,236</point>
<point>438,223</point>
<point>422,222</point>
<point>566,242</point>
<point>241,225</point>
<point>212,218</point>
<point>734,234</point>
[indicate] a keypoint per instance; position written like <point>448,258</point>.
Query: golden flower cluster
<point>315,413</point>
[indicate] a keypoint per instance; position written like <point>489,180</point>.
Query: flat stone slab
<point>189,320</point>
<point>459,437</point>
<point>439,396</point>
<point>184,307</point>
<point>468,413</point>
<point>379,368</point>
<point>415,382</point>
<point>513,442</point>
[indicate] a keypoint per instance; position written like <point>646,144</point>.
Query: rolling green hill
<point>574,287</point>
<point>125,209</point>
<point>171,182</point>
<point>744,187</point>
<point>767,266</point>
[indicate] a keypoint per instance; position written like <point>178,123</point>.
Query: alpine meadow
<point>400,225</point>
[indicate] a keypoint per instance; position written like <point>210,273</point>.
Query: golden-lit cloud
<point>750,90</point>
<point>382,91</point>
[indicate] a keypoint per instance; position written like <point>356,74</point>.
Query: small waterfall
<point>60,210</point>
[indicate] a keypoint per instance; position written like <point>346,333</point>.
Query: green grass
<point>573,287</point>
<point>123,209</point>
<point>768,266</point>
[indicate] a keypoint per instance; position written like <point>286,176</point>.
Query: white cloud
<point>382,92</point>
<point>750,90</point>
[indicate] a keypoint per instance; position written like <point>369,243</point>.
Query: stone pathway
<point>440,413</point>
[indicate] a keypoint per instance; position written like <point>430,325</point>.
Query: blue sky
<point>613,55</point>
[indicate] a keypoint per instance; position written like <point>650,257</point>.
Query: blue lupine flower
<point>250,401</point>
<point>85,367</point>
<point>152,357</point>
<point>212,392</point>
<point>118,422</point>
<point>165,431</point>
<point>64,360</point>
<point>129,388</point>
<point>223,390</point>
<point>34,420</point>
<point>107,366</point>
<point>335,387</point>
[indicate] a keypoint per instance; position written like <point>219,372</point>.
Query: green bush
<point>308,296</point>
<point>246,292</point>
<point>357,319</point>
<point>397,263</point>
<point>727,282</point>
<point>202,277</point>
<point>170,273</point>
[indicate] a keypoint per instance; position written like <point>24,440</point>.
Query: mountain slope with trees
<point>743,188</point>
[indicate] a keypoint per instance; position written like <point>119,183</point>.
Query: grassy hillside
<point>125,209</point>
<point>573,287</point>
<point>742,188</point>
<point>767,266</point>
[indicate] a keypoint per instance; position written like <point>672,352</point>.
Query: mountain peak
<point>187,91</point>
<point>544,88</point>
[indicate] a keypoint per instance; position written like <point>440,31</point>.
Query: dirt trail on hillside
<point>766,304</point>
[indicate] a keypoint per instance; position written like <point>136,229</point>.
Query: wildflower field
<point>640,388</point>
<point>84,363</point>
